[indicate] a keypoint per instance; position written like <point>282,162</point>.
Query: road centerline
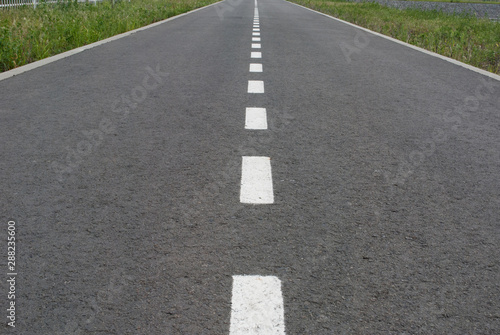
<point>257,306</point>
<point>256,118</point>
<point>256,180</point>
<point>256,54</point>
<point>255,67</point>
<point>255,86</point>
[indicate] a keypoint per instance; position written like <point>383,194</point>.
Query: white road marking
<point>255,86</point>
<point>256,181</point>
<point>255,39</point>
<point>451,60</point>
<point>255,54</point>
<point>255,34</point>
<point>256,12</point>
<point>255,45</point>
<point>256,118</point>
<point>48,60</point>
<point>257,306</point>
<point>255,67</point>
<point>256,29</point>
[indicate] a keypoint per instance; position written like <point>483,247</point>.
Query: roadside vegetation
<point>462,37</point>
<point>28,34</point>
<point>461,1</point>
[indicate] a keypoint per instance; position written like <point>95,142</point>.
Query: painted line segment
<point>255,86</point>
<point>255,54</point>
<point>255,67</point>
<point>256,118</point>
<point>257,306</point>
<point>256,180</point>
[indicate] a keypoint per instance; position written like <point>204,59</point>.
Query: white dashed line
<point>255,86</point>
<point>255,46</point>
<point>256,181</point>
<point>255,39</point>
<point>256,118</point>
<point>257,306</point>
<point>256,29</point>
<point>256,54</point>
<point>255,67</point>
<point>255,34</point>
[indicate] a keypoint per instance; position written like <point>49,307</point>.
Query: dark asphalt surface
<point>385,170</point>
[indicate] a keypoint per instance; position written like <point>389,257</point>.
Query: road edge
<point>18,70</point>
<point>448,59</point>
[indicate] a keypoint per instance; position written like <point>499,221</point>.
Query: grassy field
<point>461,1</point>
<point>28,34</point>
<point>465,38</point>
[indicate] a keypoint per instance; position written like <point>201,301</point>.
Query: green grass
<point>462,37</point>
<point>461,1</point>
<point>28,34</point>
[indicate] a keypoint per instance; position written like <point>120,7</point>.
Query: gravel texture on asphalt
<point>385,176</point>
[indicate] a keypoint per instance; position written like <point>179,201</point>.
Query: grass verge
<point>462,1</point>
<point>462,37</point>
<point>28,34</point>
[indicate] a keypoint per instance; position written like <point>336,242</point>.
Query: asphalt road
<point>121,168</point>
